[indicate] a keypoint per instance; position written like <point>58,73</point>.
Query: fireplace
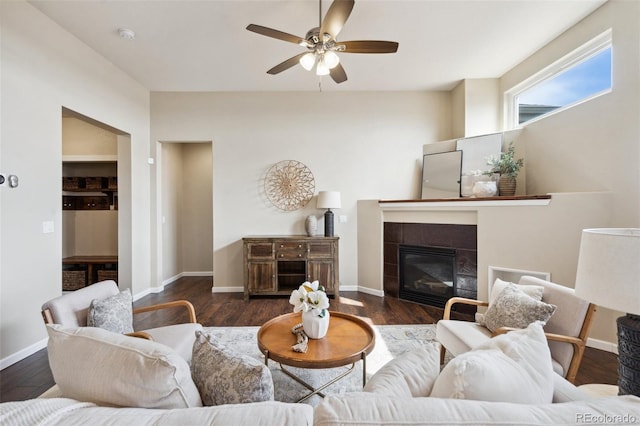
<point>427,274</point>
<point>456,242</point>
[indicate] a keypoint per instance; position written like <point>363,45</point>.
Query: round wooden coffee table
<point>348,341</point>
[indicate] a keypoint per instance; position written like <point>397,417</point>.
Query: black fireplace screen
<point>427,274</point>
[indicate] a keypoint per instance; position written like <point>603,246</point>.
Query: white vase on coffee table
<point>315,327</point>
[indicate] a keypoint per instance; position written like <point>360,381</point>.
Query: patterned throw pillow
<point>115,313</point>
<point>225,377</point>
<point>513,308</point>
<point>535,291</point>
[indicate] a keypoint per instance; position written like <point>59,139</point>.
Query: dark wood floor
<point>32,376</point>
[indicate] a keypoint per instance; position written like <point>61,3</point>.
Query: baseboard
<point>348,288</point>
<point>140,295</point>
<point>371,291</point>
<point>602,345</point>
<point>22,354</point>
<point>197,274</point>
<point>227,289</point>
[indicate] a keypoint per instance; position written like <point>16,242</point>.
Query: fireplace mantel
<point>463,203</point>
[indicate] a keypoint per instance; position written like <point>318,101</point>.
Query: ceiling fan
<point>322,45</point>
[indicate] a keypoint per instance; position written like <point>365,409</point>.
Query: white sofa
<point>411,390</point>
<point>401,392</point>
<point>374,409</point>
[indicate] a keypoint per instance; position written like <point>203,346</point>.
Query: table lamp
<point>609,276</point>
<point>328,200</point>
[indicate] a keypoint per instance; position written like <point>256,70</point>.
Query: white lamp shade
<point>328,200</point>
<point>331,59</point>
<point>609,268</point>
<point>307,61</point>
<point>322,68</point>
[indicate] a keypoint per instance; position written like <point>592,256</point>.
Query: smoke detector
<point>126,33</point>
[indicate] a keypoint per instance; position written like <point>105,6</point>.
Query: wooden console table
<point>92,266</point>
<point>278,265</point>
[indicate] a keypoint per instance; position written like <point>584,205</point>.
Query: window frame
<point>583,53</point>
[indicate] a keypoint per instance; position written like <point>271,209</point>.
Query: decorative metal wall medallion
<point>289,185</point>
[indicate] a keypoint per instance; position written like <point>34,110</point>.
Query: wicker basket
<point>107,274</point>
<point>73,280</point>
<point>113,182</point>
<point>70,183</point>
<point>93,183</point>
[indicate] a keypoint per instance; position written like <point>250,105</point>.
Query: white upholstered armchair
<point>70,311</point>
<point>566,330</point>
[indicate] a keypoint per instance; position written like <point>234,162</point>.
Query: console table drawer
<point>320,250</point>
<point>290,245</point>
<point>260,251</point>
<point>291,254</point>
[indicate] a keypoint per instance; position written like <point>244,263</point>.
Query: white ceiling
<point>203,45</point>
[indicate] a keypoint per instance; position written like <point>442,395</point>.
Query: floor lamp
<point>609,276</point>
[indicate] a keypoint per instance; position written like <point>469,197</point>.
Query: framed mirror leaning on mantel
<point>441,175</point>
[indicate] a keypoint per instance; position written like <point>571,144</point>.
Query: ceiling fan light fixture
<point>307,61</point>
<point>322,68</point>
<point>330,59</point>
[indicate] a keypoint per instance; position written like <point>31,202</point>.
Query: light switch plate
<point>47,227</point>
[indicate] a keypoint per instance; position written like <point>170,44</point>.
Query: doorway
<point>94,228</point>
<point>185,209</point>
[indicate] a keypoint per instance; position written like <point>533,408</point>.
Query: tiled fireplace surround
<point>463,238</point>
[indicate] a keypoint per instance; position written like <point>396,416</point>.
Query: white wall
<point>171,196</point>
<point>197,223</point>
<point>594,146</point>
<point>43,69</point>
<point>364,145</point>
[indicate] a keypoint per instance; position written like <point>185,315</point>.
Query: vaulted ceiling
<point>204,46</point>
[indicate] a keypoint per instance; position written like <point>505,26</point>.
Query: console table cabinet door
<point>261,277</point>
<point>321,270</point>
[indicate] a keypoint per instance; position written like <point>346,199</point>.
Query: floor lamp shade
<point>608,275</point>
<point>328,200</point>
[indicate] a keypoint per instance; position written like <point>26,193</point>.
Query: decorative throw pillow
<point>513,367</point>
<point>513,308</point>
<point>115,313</point>
<point>95,365</point>
<point>225,377</point>
<point>534,291</point>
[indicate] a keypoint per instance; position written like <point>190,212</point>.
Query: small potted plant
<point>508,168</point>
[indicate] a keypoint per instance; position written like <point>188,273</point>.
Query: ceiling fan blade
<point>270,32</point>
<point>338,74</point>
<point>336,16</point>
<point>283,66</point>
<point>369,46</point>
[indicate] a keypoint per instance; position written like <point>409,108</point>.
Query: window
<point>581,75</point>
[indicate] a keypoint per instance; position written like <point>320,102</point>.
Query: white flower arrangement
<point>310,297</point>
